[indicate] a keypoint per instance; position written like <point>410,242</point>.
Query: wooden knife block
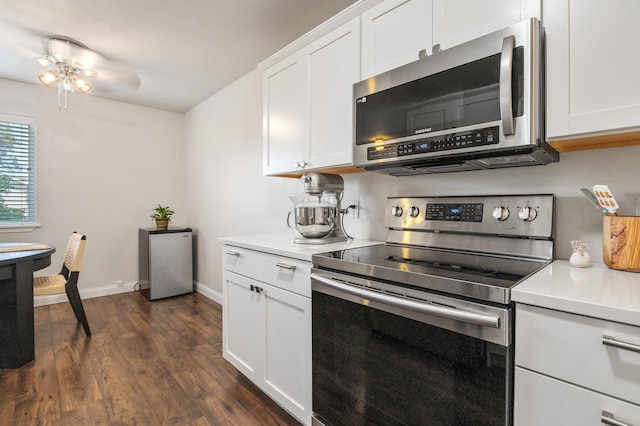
<point>621,242</point>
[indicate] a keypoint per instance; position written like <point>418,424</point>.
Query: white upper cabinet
<point>307,104</point>
<point>393,34</point>
<point>458,21</point>
<point>334,67</point>
<point>395,31</point>
<point>592,67</point>
<point>285,99</point>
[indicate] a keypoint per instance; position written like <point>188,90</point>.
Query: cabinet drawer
<point>541,400</point>
<point>571,348</point>
<point>280,271</point>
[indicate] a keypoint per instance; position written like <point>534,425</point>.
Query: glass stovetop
<point>484,276</point>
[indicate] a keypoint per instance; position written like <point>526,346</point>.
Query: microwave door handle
<point>506,67</point>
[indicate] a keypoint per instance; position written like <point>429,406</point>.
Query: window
<point>17,171</point>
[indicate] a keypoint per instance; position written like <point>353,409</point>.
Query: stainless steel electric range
<point>420,330</point>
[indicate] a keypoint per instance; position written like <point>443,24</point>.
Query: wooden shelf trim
<point>341,170</point>
<point>597,142</point>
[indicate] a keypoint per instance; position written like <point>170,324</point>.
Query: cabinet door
<point>285,106</point>
<point>592,62</point>
<point>541,400</point>
<point>393,33</point>
<point>242,327</point>
<point>458,21</point>
<point>572,348</point>
<point>334,66</point>
<point>287,356</point>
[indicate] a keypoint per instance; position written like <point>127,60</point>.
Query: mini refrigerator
<point>165,262</point>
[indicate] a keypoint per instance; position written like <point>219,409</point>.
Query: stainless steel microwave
<point>479,105</point>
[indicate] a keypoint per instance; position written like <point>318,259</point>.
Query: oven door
<point>389,355</point>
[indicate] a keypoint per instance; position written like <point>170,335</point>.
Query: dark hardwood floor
<point>147,363</point>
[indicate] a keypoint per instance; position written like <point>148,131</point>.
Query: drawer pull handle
<point>256,288</point>
<point>611,341</point>
<point>285,266</point>
<point>232,253</point>
<point>608,419</point>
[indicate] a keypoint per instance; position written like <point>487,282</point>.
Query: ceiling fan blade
<point>87,73</point>
<point>112,80</point>
<point>65,49</point>
<point>46,62</point>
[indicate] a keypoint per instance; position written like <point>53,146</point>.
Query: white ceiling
<point>182,51</point>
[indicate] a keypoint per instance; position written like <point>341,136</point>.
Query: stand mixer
<point>319,221</point>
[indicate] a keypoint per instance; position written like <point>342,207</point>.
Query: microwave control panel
<point>467,139</point>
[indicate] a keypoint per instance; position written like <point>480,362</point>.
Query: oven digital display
<point>455,212</point>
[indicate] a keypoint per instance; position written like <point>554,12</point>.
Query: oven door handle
<point>506,68</point>
<point>440,311</point>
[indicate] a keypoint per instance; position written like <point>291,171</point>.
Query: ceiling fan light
<point>49,78</point>
<point>81,85</point>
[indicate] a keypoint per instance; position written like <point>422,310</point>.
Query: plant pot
<point>162,224</point>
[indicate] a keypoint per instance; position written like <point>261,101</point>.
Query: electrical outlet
<point>119,283</point>
<point>355,211</point>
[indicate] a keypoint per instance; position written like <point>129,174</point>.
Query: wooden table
<point>17,344</point>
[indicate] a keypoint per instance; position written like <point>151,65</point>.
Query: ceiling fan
<point>74,68</point>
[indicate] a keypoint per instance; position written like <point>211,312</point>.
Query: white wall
<point>226,191</point>
<point>227,194</point>
<point>101,167</point>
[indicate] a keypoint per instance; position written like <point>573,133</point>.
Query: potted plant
<point>162,216</point>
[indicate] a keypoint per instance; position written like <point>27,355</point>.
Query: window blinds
<point>17,171</point>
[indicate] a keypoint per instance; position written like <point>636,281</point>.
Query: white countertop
<point>596,291</point>
<point>283,245</point>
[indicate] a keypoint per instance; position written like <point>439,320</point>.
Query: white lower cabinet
<point>542,400</point>
<point>575,370</point>
<point>267,325</point>
<point>242,312</point>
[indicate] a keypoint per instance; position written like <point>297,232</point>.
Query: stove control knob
<point>500,213</point>
<point>527,214</point>
<point>396,211</point>
<point>414,211</point>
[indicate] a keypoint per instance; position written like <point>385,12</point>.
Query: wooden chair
<point>67,280</point>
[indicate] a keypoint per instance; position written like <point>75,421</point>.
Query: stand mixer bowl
<point>313,219</point>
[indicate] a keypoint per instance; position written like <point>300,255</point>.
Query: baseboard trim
<point>208,292</point>
<point>112,289</point>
